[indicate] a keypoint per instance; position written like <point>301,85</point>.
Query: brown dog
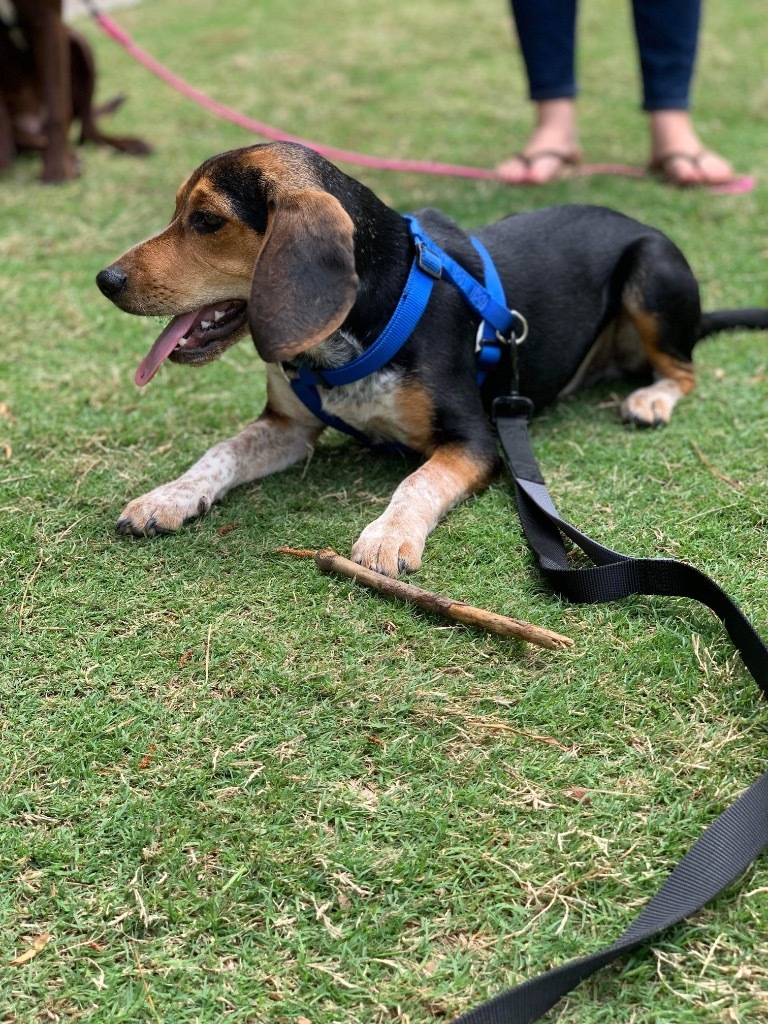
<point>274,241</point>
<point>47,80</point>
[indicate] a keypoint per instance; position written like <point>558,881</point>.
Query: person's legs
<point>667,38</point>
<point>547,33</point>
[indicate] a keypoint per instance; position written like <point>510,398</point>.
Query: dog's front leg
<point>394,542</point>
<point>272,443</point>
<point>50,48</point>
<point>7,143</point>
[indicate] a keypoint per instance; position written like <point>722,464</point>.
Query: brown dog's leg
<point>8,83</point>
<point>50,48</point>
<point>7,144</point>
<point>270,444</point>
<point>394,542</point>
<point>83,91</point>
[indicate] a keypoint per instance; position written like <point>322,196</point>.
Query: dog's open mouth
<point>196,337</point>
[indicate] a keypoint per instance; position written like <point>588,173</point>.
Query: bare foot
<point>552,147</point>
<point>679,154</point>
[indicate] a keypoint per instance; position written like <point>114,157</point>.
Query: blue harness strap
<point>488,302</point>
<point>408,312</point>
<point>490,342</point>
<point>430,263</point>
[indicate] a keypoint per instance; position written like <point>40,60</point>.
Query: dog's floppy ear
<point>304,282</point>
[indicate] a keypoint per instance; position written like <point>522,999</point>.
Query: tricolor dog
<point>275,242</point>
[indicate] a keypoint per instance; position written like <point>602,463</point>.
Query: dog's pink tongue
<point>165,344</point>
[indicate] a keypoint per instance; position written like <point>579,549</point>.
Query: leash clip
<point>512,407</point>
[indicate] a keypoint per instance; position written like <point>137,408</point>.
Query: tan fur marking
<point>664,365</point>
<point>408,417</point>
<point>647,326</point>
<point>203,196</point>
<point>653,405</point>
<point>678,370</point>
<point>180,193</point>
<point>454,465</point>
<point>287,170</point>
<point>416,415</point>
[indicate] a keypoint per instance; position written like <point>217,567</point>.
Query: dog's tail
<point>110,106</point>
<point>717,320</point>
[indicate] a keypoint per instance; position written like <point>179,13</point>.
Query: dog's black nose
<point>112,281</point>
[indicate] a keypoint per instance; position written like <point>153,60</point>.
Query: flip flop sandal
<point>566,162</point>
<point>661,167</point>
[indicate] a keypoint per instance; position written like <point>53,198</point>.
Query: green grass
<point>232,789</point>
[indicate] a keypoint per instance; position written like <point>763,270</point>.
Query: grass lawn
<point>234,790</point>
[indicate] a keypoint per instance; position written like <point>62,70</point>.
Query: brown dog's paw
<point>137,147</point>
<point>61,167</point>
<point>127,144</point>
<point>163,510</point>
<point>388,552</point>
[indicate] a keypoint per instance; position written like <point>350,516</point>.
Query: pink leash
<point>113,30</point>
<point>268,132</point>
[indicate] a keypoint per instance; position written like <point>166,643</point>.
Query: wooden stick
<point>328,560</point>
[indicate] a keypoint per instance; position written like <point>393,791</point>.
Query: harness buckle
<point>429,261</point>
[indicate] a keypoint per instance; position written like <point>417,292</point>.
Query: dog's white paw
<point>389,550</point>
<point>651,406</point>
<point>163,510</point>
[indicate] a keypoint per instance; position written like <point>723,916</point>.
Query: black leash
<point>614,575</point>
<point>740,833</point>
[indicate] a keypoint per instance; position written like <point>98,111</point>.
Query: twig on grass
<point>720,476</point>
<point>296,552</point>
<point>329,561</point>
<point>503,727</point>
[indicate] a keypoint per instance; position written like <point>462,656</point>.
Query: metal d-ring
<point>505,339</point>
<point>520,338</point>
<point>512,336</point>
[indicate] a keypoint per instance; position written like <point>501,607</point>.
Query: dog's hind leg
<point>267,446</point>
<point>83,91</point>
<point>661,300</point>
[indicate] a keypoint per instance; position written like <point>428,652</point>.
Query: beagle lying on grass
<point>274,241</point>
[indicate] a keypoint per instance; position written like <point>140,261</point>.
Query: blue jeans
<point>667,35</point>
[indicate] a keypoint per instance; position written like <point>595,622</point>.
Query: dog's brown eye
<point>202,220</point>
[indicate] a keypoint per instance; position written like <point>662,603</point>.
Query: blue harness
<point>430,263</point>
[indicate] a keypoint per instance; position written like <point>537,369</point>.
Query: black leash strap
<point>740,833</point>
<point>614,575</point>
